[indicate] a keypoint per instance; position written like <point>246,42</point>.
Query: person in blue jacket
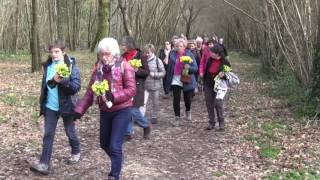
<point>56,100</point>
<point>176,81</point>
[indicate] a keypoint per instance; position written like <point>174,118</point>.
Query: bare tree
<point>60,19</point>
<point>34,42</point>
<point>189,15</point>
<point>123,5</point>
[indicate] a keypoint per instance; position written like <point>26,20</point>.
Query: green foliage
<point>270,152</point>
<point>9,99</point>
<point>294,175</point>
<point>2,119</point>
<point>287,87</point>
<point>266,137</point>
<point>219,173</point>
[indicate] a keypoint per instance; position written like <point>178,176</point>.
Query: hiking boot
<point>74,158</point>
<point>188,116</point>
<point>40,168</point>
<point>176,121</point>
<point>154,121</point>
<point>210,127</point>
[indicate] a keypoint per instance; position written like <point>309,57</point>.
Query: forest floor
<point>262,140</point>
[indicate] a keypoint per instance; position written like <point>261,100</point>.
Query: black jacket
<point>68,87</point>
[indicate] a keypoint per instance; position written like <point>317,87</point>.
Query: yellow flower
<point>135,63</point>
<point>62,70</point>
<point>186,59</point>
<point>226,68</point>
<point>100,87</point>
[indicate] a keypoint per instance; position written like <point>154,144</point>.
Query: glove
<point>109,96</point>
<point>52,83</point>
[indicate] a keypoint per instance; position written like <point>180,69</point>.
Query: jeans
<point>113,126</point>
<point>138,117</point>
<point>50,123</point>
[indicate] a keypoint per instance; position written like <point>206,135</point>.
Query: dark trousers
<point>113,126</point>
<point>213,105</point>
<point>50,123</point>
<point>187,96</point>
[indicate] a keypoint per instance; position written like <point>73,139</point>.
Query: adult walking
<point>175,81</point>
<point>114,120</point>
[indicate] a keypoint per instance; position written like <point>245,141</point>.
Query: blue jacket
<point>68,87</point>
<point>192,71</point>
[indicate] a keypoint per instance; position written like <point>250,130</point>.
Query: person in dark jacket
<point>141,74</point>
<point>221,43</point>
<point>114,119</point>
<point>213,68</point>
<point>56,101</point>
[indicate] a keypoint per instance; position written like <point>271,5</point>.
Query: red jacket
<point>204,59</point>
<point>121,83</point>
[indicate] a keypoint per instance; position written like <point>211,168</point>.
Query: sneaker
<point>40,168</point>
<point>146,132</point>
<point>176,121</point>
<point>188,116</point>
<point>74,158</point>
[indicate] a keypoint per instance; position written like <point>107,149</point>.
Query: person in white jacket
<point>153,82</point>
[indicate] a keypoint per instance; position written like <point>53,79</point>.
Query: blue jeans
<point>112,129</point>
<point>50,123</point>
<point>138,117</point>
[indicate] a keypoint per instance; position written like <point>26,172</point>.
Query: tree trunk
<point>69,37</point>
<point>50,20</point>
<point>89,25</point>
<point>16,39</point>
<point>124,11</point>
<point>60,21</point>
<point>103,15</point>
<point>34,43</point>
<point>315,93</point>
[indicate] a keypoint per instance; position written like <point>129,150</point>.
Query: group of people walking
<point>133,91</point>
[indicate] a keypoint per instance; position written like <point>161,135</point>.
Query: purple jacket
<point>122,84</point>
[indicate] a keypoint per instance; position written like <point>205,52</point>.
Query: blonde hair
<point>110,44</point>
<point>149,47</point>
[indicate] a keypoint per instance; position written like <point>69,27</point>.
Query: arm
<point>160,74</point>
<point>193,66</point>
<point>72,84</point>
<point>129,85</point>
<point>87,99</point>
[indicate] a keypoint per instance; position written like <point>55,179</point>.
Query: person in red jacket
<point>114,120</point>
